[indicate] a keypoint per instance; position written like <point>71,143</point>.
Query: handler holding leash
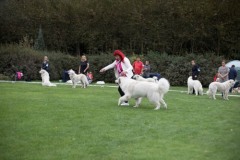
<point>122,67</point>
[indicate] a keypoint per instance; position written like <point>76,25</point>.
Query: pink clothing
<point>119,67</point>
<point>19,75</point>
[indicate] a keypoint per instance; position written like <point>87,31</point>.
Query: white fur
<point>138,89</point>
<point>78,77</point>
<point>45,78</point>
<point>140,78</point>
<point>222,87</point>
<point>194,84</point>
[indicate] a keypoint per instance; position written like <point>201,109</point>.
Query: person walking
<point>122,68</point>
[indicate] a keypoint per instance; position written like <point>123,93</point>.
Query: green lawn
<point>63,123</point>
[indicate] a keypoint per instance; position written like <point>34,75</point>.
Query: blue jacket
<point>232,73</point>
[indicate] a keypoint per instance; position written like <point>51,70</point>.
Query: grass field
<point>63,123</point>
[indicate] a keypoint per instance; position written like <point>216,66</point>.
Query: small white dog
<point>140,78</point>
<point>138,89</point>
<point>194,84</point>
<point>78,77</point>
<point>222,87</point>
<point>45,78</point>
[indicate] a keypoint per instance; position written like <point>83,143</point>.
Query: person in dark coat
<point>232,75</point>
<point>195,72</point>
<point>45,64</point>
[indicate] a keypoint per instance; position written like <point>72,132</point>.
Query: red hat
<point>120,54</point>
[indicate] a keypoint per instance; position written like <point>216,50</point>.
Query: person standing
<point>223,72</point>
<point>146,70</point>
<point>45,64</point>
<point>195,70</point>
<point>138,66</point>
<point>84,65</point>
<point>232,75</point>
<point>122,68</point>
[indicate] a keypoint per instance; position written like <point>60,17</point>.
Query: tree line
<point>176,27</point>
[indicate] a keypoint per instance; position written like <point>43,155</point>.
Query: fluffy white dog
<point>140,78</point>
<point>194,84</point>
<point>45,78</point>
<point>78,77</point>
<point>222,87</point>
<point>138,89</point>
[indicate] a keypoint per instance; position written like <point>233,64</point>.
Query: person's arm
<point>79,69</point>
<point>128,65</point>
<point>86,67</point>
<point>225,75</point>
<point>133,65</point>
<point>110,66</point>
<point>142,68</point>
<point>219,74</point>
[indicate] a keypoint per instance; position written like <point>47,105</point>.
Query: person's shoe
<point>125,104</point>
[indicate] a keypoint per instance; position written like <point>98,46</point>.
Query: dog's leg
<point>226,95</point>
<point>157,106</point>
<point>138,102</point>
<point>163,102</point>
<point>74,85</point>
<point>213,95</point>
<point>123,99</point>
<point>188,90</point>
<point>196,91</point>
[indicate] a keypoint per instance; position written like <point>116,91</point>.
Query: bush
<point>175,68</point>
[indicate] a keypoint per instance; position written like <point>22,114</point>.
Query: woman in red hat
<point>122,67</point>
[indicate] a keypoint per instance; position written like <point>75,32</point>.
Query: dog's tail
<point>163,85</point>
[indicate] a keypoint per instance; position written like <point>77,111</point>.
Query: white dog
<point>194,84</point>
<point>138,89</point>
<point>222,87</point>
<point>45,78</point>
<point>140,78</point>
<point>78,77</point>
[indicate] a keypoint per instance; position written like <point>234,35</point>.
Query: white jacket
<point>126,66</point>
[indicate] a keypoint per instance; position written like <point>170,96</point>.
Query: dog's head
<point>231,82</point>
<point>42,71</point>
<point>71,72</point>
<point>190,77</point>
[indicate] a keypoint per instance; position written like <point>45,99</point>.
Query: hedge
<point>175,68</point>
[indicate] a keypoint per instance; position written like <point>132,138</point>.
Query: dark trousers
<point>121,92</point>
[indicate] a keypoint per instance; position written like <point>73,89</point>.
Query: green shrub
<point>175,68</point>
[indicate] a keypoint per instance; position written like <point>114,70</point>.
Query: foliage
<point>172,26</point>
<point>39,43</point>
<point>175,68</point>
<point>63,123</point>
<point>28,61</point>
